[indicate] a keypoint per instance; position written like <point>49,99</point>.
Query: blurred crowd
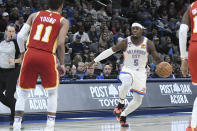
<point>96,25</point>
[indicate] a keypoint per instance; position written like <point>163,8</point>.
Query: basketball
<point>164,69</point>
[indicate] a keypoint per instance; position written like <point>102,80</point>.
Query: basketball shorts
<point>38,63</point>
<point>139,80</point>
<point>192,61</point>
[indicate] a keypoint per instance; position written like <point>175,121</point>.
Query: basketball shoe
<point>123,122</point>
<point>119,109</point>
<point>50,123</point>
<point>17,123</point>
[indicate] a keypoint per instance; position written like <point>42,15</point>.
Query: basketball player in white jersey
<point>133,74</point>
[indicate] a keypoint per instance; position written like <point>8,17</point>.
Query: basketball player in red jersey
<point>190,20</point>
<point>48,30</point>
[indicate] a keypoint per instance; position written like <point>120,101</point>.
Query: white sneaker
<point>17,126</point>
<point>50,125</point>
<point>17,123</point>
<point>49,129</point>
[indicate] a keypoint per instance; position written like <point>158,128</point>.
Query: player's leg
<point>193,70</point>
<point>50,81</point>
<point>127,81</point>
<point>20,107</point>
<point>133,105</point>
<point>52,107</point>
<point>27,80</point>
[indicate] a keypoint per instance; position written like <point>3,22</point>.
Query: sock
<point>51,118</point>
<point>17,119</point>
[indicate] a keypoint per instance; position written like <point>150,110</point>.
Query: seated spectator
<point>73,74</point>
<point>4,21</point>
<point>77,59</point>
<point>67,73</point>
<point>97,68</point>
<point>76,47</point>
<point>84,36</point>
<point>93,34</point>
<point>80,69</point>
<point>85,54</point>
<point>107,73</point>
<point>89,74</point>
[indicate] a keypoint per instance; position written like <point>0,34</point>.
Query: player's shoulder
<point>64,21</point>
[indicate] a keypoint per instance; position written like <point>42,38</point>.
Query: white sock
<point>51,118</point>
<point>17,119</point>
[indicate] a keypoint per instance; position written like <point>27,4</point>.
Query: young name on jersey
<point>47,19</point>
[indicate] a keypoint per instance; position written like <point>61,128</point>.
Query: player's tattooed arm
<point>153,52</point>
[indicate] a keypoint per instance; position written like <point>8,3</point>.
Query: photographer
<point>9,69</point>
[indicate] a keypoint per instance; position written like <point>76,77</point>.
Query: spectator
<point>77,59</point>
<point>4,21</point>
<point>19,23</point>
<point>107,73</point>
<point>93,35</point>
<point>76,47</point>
<point>97,68</point>
<point>89,74</point>
<point>73,74</point>
<point>84,36</point>
<point>80,69</point>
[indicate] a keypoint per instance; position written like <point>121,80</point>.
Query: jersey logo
<point>143,46</point>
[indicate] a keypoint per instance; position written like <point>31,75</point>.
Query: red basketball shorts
<point>192,61</point>
<point>38,63</point>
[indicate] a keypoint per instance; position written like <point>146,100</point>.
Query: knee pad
<point>52,101</point>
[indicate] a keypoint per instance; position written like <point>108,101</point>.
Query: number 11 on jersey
<point>47,33</point>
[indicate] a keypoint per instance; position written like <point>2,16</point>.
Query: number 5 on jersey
<point>47,33</point>
<point>136,62</point>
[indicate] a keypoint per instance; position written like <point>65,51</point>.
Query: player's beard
<point>135,37</point>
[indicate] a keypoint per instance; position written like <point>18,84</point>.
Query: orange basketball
<point>163,69</point>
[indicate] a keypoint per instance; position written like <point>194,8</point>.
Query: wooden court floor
<point>159,122</point>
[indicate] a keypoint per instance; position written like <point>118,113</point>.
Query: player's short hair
<point>54,4</point>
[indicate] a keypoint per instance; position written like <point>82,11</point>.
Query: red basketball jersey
<point>45,31</point>
<point>193,21</point>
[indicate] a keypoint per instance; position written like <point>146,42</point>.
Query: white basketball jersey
<point>135,56</point>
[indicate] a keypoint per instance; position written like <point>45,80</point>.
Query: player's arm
<point>105,54</point>
<point>61,40</point>
<point>184,28</point>
<point>153,52</point>
<point>24,32</point>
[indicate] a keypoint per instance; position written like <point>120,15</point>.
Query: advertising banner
<point>101,96</point>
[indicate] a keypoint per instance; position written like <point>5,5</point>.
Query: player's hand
<point>11,61</point>
<point>184,67</point>
<point>61,70</point>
